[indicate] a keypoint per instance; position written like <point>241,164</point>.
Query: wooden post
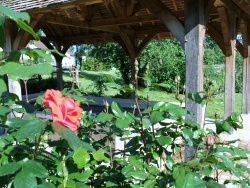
<point>194,50</point>
<point>10,29</point>
<point>59,72</point>
<point>62,49</point>
<point>230,69</point>
<point>246,68</point>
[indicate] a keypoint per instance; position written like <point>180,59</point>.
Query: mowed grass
<point>87,85</point>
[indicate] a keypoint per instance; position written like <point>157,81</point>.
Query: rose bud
<point>210,140</point>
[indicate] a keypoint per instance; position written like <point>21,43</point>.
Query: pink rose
<point>210,140</point>
<point>64,110</point>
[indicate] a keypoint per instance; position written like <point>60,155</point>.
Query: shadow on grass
<point>94,76</point>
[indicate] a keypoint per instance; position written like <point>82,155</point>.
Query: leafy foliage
<point>36,152</point>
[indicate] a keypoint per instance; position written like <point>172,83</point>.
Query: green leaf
<point>35,168</point>
<point>46,185</point>
<point>73,140</point>
<point>103,117</point>
<point>30,129</point>
<point>99,156</point>
<point>213,184</point>
<point>156,117</point>
<point>22,25</point>
<point>139,175</point>
<point>4,110</point>
<point>116,109</point>
<point>158,105</point>
<point>3,87</point>
<point>178,172</point>
<point>14,15</point>
<point>164,140</point>
<point>197,97</point>
<point>41,53</point>
<point>170,162</point>
<point>14,56</point>
<point>19,71</point>
<point>126,170</point>
<point>225,160</point>
<point>9,168</point>
<point>83,176</point>
<point>81,157</point>
<point>188,135</point>
<point>187,181</point>
<point>16,122</point>
<point>25,179</point>
<point>153,170</point>
<point>2,32</point>
<point>166,86</point>
<point>149,184</point>
<point>222,126</point>
<point>178,112</point>
<point>30,109</point>
<point>135,162</point>
<point>122,123</point>
<point>113,85</point>
<point>146,123</point>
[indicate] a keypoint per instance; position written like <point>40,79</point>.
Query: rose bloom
<point>64,110</point>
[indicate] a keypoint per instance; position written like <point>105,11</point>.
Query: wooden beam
<point>117,8</point>
<point>216,36</point>
<point>65,5</point>
<point>95,24</point>
<point>225,27</point>
<point>144,43</point>
<point>232,6</point>
<point>245,38</point>
<point>208,6</point>
<point>110,25</point>
<point>23,37</point>
<point>174,4</point>
<point>129,7</point>
<point>167,17</point>
<point>128,44</point>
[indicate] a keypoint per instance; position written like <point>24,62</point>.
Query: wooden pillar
<point>229,85</point>
<point>228,28</point>
<point>194,50</point>
<point>59,72</point>
<point>246,86</point>
<point>246,68</point>
<point>62,48</point>
<point>11,30</point>
<point>229,103</point>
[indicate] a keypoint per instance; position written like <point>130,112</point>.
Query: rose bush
<point>153,141</point>
<point>64,110</point>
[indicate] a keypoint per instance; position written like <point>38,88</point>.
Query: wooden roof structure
<point>95,21</point>
<point>134,23</point>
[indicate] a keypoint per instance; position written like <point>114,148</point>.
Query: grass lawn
<point>87,85</point>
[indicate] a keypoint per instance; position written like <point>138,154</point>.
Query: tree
<point>166,60</point>
<point>113,55</point>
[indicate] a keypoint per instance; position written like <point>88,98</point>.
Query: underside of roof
<point>96,21</point>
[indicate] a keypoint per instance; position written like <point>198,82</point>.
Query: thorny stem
<point>65,172</point>
<point>26,90</point>
<point>205,110</point>
<point>141,128</point>
<point>37,146</point>
<point>110,151</point>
